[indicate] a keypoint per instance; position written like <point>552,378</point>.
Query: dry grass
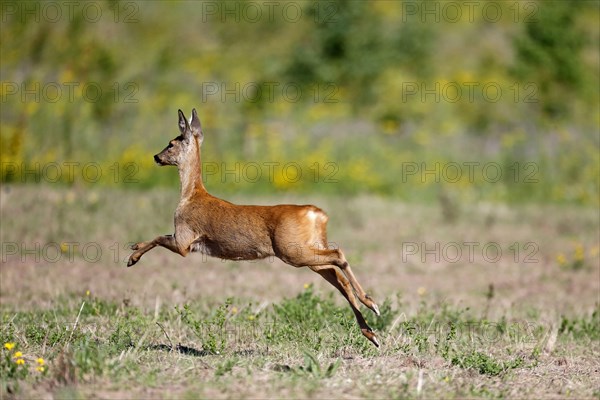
<point>376,235</point>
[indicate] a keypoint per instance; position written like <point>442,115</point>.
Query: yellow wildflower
<point>70,197</point>
<point>40,361</point>
<point>306,286</point>
<point>92,198</point>
<point>41,369</point>
<point>87,293</point>
<point>250,317</point>
<point>579,252</point>
<point>20,361</point>
<point>421,291</point>
<point>18,354</point>
<point>234,310</point>
<point>562,260</point>
<point>9,346</point>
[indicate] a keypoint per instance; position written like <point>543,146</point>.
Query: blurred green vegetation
<point>417,100</point>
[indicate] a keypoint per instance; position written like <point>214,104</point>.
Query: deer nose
<point>156,159</point>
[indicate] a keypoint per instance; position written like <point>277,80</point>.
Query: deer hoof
<point>375,341</point>
<point>369,334</point>
<point>132,261</point>
<point>376,310</point>
<point>371,304</point>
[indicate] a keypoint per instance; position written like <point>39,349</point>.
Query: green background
<point>335,97</point>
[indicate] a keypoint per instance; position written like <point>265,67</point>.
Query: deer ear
<point>195,124</point>
<point>183,124</point>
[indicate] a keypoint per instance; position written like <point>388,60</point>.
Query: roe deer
<point>295,234</point>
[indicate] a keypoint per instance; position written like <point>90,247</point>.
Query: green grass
<point>582,326</point>
<point>302,340</point>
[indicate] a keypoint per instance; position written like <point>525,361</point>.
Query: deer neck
<point>190,174</point>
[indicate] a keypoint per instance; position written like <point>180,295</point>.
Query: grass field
<point>477,301</point>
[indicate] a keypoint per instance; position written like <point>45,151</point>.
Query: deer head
<point>184,146</point>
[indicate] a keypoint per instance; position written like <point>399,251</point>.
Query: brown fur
<point>295,234</point>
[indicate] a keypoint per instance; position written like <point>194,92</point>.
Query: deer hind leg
<point>312,251</point>
<point>323,255</point>
<point>339,281</point>
<point>336,257</point>
<point>167,241</point>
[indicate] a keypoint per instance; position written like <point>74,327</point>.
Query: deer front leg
<point>167,241</point>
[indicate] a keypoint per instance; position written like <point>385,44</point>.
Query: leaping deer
<point>295,234</point>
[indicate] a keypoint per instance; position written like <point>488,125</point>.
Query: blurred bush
<point>353,95</point>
